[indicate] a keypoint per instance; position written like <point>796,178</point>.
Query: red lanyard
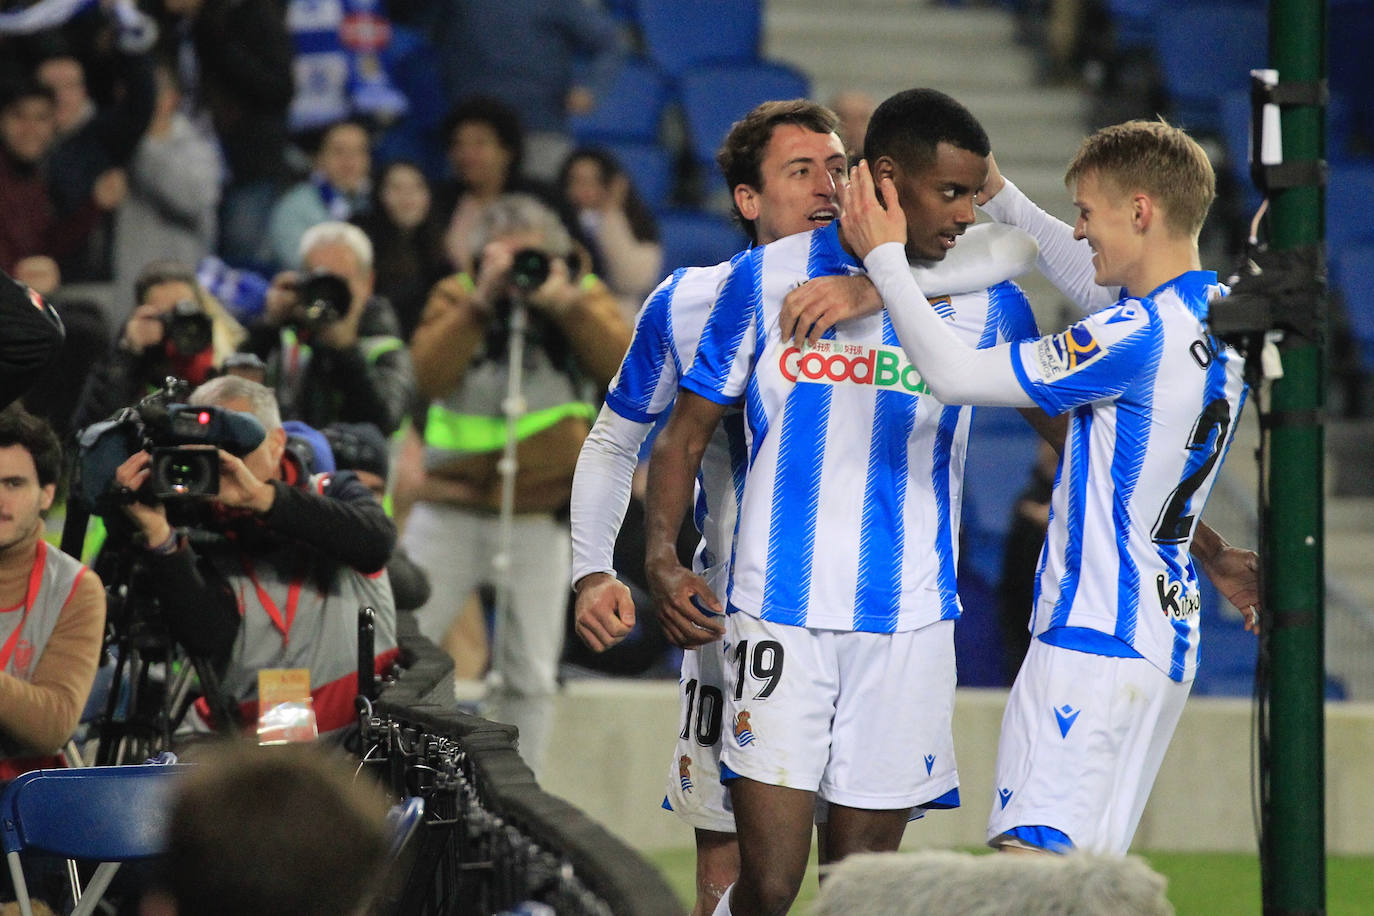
<point>35,578</point>
<point>293,597</point>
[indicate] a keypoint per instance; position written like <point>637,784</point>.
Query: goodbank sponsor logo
<point>830,362</point>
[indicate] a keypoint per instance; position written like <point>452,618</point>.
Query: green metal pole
<point>1295,867</point>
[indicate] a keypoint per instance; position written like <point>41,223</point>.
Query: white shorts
<point>861,718</point>
<point>1083,737</point>
<point>695,792</point>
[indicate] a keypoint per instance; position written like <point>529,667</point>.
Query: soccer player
<point>782,162</point>
<point>839,661</point>
<point>1154,399</point>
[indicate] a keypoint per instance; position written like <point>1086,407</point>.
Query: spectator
<point>338,189</point>
<point>575,344</point>
<point>855,107</point>
<point>485,148</point>
<point>32,224</point>
<point>407,239</point>
<point>175,329</point>
<point>362,449</point>
<point>617,224</point>
<point>523,52</point>
<point>348,366</point>
<point>174,186</point>
<point>305,838</point>
<point>236,58</point>
<point>32,338</point>
<point>94,142</point>
<point>280,566</point>
<point>56,392</point>
<point>49,652</point>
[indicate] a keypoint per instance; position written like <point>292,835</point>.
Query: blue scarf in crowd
<point>338,66</point>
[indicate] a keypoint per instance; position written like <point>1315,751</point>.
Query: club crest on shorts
<point>743,735</point>
<point>684,772</point>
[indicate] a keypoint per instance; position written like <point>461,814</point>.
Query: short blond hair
<point>1154,157</point>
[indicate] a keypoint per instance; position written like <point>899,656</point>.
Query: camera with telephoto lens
<point>182,439</point>
<point>323,298</point>
<point>188,327</point>
<point>529,269</point>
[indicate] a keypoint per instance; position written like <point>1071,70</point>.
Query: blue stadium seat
<point>1350,36</point>
<point>1349,203</point>
<point>1351,269</point>
<point>694,238</point>
<point>997,468</point>
<point>650,168</point>
<point>715,97</point>
<point>1133,22</point>
<point>1205,52</point>
<point>680,34</point>
<point>410,60</point>
<point>630,109</point>
<point>1234,109</point>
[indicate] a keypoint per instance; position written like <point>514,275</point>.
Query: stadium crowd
<point>419,306</point>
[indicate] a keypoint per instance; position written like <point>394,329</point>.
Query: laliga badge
<point>285,711</point>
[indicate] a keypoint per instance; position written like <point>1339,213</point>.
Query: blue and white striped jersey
<point>1155,401</point>
<point>850,513</point>
<point>664,344</point>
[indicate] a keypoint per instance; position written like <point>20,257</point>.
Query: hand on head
<point>868,223</point>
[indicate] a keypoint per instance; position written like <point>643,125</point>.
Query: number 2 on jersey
<point>1209,433</point>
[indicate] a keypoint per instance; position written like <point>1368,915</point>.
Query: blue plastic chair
<point>715,97</point>
<point>108,815</point>
<point>1205,52</point>
<point>693,238</point>
<point>681,34</point>
<point>629,110</point>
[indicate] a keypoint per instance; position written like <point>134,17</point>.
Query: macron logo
<point>930,763</point>
<point>1066,715</point>
<point>1005,795</point>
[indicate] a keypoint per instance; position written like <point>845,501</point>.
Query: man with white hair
<point>332,348</point>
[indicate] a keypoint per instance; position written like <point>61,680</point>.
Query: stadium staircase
<point>972,52</point>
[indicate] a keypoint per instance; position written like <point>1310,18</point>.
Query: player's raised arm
<point>986,255</point>
<point>955,372</point>
<point>1065,260</point>
<point>672,472</point>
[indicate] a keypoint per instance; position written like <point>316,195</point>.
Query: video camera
<point>182,439</point>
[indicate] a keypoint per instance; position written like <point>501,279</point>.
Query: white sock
<point>723,908</point>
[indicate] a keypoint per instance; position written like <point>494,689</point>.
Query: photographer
<point>574,344</point>
<point>274,567</point>
<point>176,329</point>
<point>331,347</point>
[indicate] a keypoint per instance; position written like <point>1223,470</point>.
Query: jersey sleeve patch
<point>1093,359</point>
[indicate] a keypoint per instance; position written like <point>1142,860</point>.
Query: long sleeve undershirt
<point>955,372</point>
<point>1066,261</point>
<point>601,490</point>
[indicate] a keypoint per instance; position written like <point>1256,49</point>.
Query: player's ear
<point>882,167</point>
<point>1143,212</point>
<point>747,200</point>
